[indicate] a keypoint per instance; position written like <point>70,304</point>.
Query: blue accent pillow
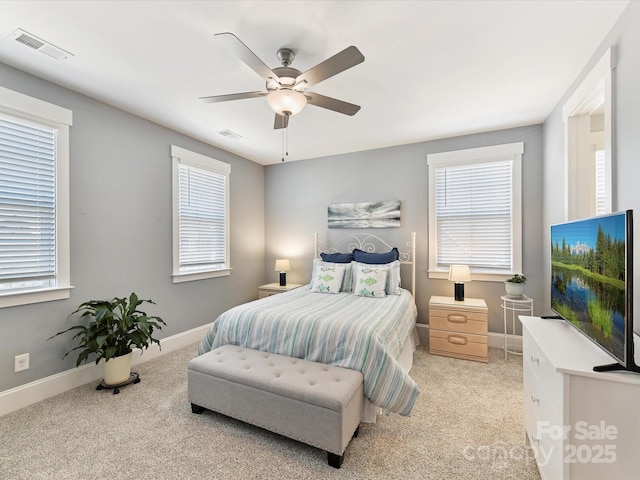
<point>337,257</point>
<point>376,258</point>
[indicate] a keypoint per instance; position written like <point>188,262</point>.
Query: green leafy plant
<point>115,328</point>
<point>517,278</point>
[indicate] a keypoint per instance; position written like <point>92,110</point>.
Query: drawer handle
<point>535,399</point>
<point>457,340</point>
<point>535,359</point>
<point>457,318</point>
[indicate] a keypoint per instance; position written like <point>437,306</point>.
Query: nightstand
<point>458,329</point>
<point>275,288</point>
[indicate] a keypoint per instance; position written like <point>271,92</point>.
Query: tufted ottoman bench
<point>320,405</point>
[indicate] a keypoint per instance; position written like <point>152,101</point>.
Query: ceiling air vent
<point>31,41</point>
<point>229,134</point>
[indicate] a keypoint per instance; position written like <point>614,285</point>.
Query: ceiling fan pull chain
<point>285,140</point>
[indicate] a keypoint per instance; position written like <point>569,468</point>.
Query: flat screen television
<point>592,282</point>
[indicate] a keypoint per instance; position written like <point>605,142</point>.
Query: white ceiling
<point>432,69</point>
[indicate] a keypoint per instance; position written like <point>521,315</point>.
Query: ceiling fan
<point>286,87</point>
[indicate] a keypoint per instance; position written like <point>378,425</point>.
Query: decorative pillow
<point>337,257</point>
<point>393,276</point>
<point>376,258</point>
<point>328,278</point>
<point>347,279</point>
<point>370,282</point>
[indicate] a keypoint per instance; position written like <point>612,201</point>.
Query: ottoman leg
<point>196,408</point>
<point>335,460</point>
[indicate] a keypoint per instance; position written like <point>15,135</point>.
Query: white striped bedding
<point>345,330</point>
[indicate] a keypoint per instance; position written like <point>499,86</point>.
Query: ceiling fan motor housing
<point>287,76</point>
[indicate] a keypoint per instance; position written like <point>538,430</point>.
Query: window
<point>200,216</point>
<point>475,211</point>
<point>34,200</point>
<point>589,149</point>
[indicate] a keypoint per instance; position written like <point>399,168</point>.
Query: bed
<point>343,317</point>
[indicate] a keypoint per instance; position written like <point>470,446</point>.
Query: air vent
<point>31,41</point>
<point>229,134</point>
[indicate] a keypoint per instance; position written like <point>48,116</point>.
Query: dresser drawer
<point>540,416</point>
<point>458,321</point>
<point>543,428</point>
<point>537,365</point>
<point>549,457</point>
<point>459,345</point>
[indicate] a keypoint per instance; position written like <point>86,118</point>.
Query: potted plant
<point>115,328</point>
<point>514,286</point>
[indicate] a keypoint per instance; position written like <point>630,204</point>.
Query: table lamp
<point>459,274</point>
<point>282,266</point>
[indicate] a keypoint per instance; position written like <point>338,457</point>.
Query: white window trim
<point>596,88</point>
<point>20,105</point>
<point>513,151</point>
<point>179,154</point>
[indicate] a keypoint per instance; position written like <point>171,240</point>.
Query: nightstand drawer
<point>458,321</point>
<point>460,345</point>
<point>275,288</point>
<point>262,294</point>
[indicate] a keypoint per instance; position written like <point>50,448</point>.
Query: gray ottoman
<point>320,405</point>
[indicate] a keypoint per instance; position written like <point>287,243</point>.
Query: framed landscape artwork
<point>364,215</point>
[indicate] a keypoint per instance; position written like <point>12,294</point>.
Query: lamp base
<point>283,279</point>
<point>459,292</point>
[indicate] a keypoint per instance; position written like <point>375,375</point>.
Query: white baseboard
<point>495,340</point>
<point>33,392</point>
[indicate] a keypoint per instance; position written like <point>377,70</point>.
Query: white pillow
<point>370,282</point>
<point>327,278</point>
<point>393,275</point>
<point>347,279</point>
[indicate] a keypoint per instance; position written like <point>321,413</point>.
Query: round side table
<point>514,306</point>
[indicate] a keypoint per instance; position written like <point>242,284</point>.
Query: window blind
<point>601,186</point>
<point>473,215</point>
<point>27,201</point>
<point>201,219</point>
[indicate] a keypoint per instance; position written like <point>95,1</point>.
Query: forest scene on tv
<point>588,260</point>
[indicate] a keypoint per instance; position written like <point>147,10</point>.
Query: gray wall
<point>626,161</point>
<point>298,193</point>
<point>120,175</point>
<point>121,217</point>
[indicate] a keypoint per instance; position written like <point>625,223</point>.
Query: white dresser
<point>580,424</point>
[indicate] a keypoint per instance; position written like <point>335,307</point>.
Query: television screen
<point>589,285</point>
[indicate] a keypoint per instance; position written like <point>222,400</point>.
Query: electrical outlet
<point>22,362</point>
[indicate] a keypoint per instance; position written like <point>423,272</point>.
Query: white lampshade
<point>282,265</point>
<point>286,101</point>
<point>459,273</point>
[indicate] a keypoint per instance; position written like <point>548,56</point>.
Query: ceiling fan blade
<point>232,96</point>
<point>347,58</point>
<point>331,103</point>
<point>234,44</point>
<point>281,121</point>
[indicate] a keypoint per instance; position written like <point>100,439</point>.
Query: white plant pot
<point>117,370</point>
<point>514,290</point>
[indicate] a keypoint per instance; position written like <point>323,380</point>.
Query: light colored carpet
<point>467,424</point>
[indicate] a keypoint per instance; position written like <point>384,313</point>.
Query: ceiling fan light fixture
<point>286,101</point>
